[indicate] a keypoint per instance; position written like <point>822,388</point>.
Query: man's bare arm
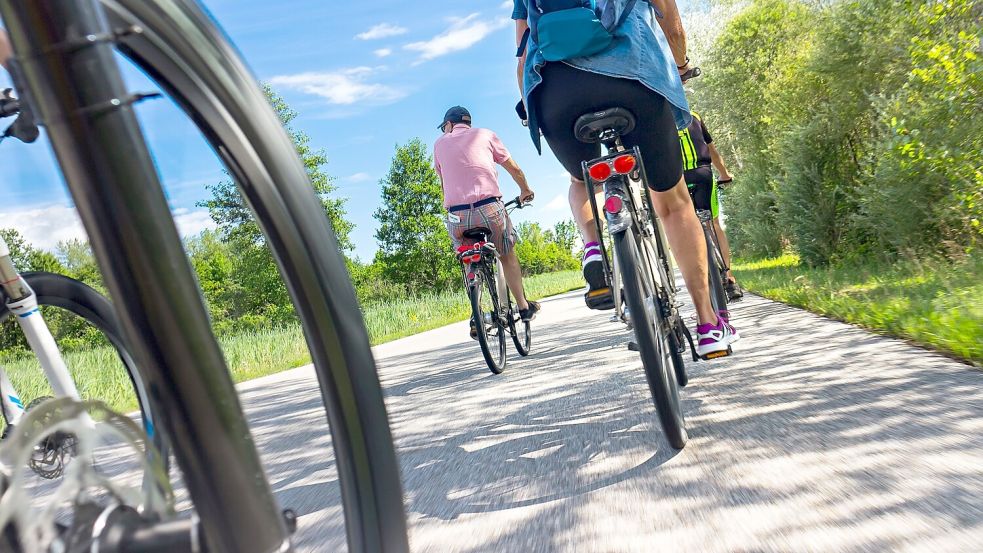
<point>718,162</point>
<point>672,27</point>
<point>525,193</point>
<point>5,50</point>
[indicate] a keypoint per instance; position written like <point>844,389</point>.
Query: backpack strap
<point>522,44</point>
<point>629,6</point>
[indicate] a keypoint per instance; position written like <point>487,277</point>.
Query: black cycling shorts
<point>567,93</point>
<point>703,189</point>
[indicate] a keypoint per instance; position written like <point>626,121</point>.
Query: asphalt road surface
<point>814,436</point>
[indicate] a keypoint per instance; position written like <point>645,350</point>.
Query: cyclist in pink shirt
<point>466,160</point>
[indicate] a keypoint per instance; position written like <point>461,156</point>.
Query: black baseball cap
<point>457,114</point>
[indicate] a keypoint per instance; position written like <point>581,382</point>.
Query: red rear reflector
<point>624,164</point>
<point>613,205</point>
<point>600,172</point>
<point>476,258</point>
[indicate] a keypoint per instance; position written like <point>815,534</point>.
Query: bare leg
<point>724,246</point>
<point>582,214</point>
<point>685,234</point>
<point>513,275</point>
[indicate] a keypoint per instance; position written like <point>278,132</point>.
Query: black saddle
<point>590,126</point>
<point>478,233</point>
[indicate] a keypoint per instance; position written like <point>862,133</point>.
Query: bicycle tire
<point>718,296</point>
<point>678,363</point>
<point>652,344</point>
<point>675,338</point>
<point>524,345</point>
<point>180,47</point>
<point>80,299</point>
<point>485,284</point>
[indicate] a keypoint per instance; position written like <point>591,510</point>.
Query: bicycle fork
<point>23,304</point>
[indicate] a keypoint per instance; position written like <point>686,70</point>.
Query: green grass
<point>932,303</point>
<point>100,374</point>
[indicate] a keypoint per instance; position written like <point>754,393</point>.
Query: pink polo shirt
<point>466,160</point>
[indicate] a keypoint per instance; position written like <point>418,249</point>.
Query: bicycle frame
<point>629,189</point>
<point>472,269</point>
<point>140,255</point>
<point>23,304</point>
<point>710,231</point>
<point>65,62</point>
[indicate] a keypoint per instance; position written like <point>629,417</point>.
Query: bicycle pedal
<point>633,346</point>
<point>718,354</point>
<point>600,299</point>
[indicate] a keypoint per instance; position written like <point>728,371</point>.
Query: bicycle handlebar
<point>517,203</point>
<point>9,107</point>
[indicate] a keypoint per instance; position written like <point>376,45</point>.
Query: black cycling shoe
<point>530,312</point>
<point>734,292</point>
<point>599,295</point>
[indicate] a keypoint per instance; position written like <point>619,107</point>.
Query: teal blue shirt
<point>639,52</point>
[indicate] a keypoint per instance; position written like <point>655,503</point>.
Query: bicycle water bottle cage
<point>604,126</point>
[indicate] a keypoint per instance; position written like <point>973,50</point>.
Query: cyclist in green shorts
<point>699,153</point>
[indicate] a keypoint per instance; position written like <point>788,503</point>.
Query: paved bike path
<point>814,436</point>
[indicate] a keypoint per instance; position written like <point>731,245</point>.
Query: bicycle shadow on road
<point>574,417</point>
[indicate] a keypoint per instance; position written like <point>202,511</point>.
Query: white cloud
<point>507,5</point>
<point>559,203</point>
<point>382,30</point>
<point>343,87</point>
<point>383,52</point>
<point>190,223</point>
<point>44,227</point>
<point>358,177</point>
<point>462,34</point>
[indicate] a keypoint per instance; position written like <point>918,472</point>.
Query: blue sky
<point>362,79</point>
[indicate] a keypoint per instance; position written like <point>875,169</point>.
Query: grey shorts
<point>493,216</point>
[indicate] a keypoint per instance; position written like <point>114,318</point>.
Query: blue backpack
<point>574,28</point>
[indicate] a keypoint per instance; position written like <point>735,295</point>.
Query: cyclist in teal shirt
<point>639,71</point>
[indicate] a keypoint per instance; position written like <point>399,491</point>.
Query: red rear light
<point>476,258</point>
<point>624,164</point>
<point>613,205</point>
<point>600,172</point>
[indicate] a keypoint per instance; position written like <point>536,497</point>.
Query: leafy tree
<point>78,261</point>
<point>236,269</point>
<point>233,217</point>
<point>544,251</point>
<point>414,247</point>
<point>28,258</point>
<point>566,234</point>
<point>857,126</point>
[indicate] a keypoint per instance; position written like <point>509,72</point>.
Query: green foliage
<point>73,259</point>
<point>414,247</point>
<point>546,251</point>
<point>235,268</point>
<point>255,353</point>
<point>743,100</point>
<point>857,127</point>
<point>933,302</point>
<point>77,259</point>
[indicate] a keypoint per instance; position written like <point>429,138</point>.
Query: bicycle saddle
<point>589,126</point>
<point>478,233</point>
